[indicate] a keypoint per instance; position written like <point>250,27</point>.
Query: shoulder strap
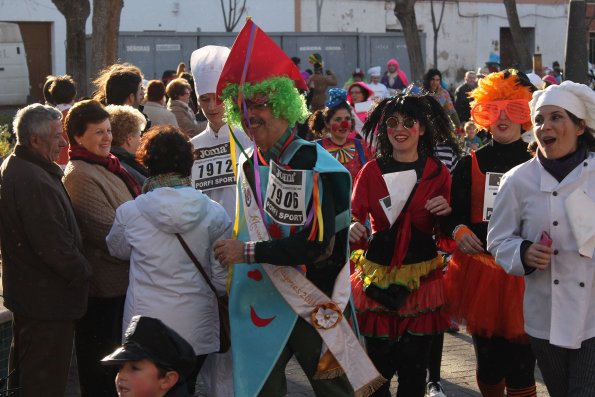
<point>196,262</point>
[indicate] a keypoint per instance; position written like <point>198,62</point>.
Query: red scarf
<point>111,163</point>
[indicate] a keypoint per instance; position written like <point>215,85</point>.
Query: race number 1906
<point>285,200</point>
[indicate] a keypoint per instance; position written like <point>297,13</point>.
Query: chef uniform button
<point>555,252</point>
<point>556,282</point>
<point>555,223</point>
<point>585,164</point>
<point>555,193</point>
<point>581,284</point>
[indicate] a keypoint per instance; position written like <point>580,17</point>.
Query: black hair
<point>164,149</point>
<point>429,75</point>
<point>423,108</point>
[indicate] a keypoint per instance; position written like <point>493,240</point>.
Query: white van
<point>14,74</point>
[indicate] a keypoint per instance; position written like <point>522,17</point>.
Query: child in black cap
<point>154,361</point>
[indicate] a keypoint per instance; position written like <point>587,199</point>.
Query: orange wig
<point>500,86</point>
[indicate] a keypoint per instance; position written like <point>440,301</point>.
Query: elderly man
<point>290,286</point>
<point>462,101</point>
<point>45,275</point>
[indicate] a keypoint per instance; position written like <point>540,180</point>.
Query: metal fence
<point>155,52</point>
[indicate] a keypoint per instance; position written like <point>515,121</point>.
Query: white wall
<point>465,42</point>
<point>40,11</point>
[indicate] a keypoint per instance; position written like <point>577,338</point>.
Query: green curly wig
<point>286,101</point>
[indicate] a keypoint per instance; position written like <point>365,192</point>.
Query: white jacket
<point>559,303</point>
<point>225,196</point>
<point>164,282</point>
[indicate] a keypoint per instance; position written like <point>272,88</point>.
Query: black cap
<point>149,338</point>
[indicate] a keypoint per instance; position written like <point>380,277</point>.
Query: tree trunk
<point>106,26</point>
<point>76,13</point>
<point>436,28</point>
<point>518,39</point>
<point>319,4</point>
<point>405,13</point>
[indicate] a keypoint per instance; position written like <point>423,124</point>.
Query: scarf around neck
<point>560,168</point>
<point>170,179</point>
<point>111,163</point>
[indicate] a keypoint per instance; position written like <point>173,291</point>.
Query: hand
<point>228,252</point>
<point>538,256</point>
<point>438,206</point>
<point>357,233</point>
<point>468,242</point>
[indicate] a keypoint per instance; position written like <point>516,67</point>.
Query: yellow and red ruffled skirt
<point>421,314</point>
<point>481,293</point>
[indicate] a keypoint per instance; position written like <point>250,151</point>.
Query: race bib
<point>285,200</point>
<point>489,196</point>
<point>212,168</point>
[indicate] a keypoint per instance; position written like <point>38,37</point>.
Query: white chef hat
<point>374,71</point>
<point>206,65</point>
<point>577,98</point>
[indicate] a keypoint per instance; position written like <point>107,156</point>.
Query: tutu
<point>482,294</point>
<point>421,314</point>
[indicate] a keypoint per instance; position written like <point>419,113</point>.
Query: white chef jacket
<point>559,302</point>
<point>225,196</point>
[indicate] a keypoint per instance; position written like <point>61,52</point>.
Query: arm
<point>359,207</point>
<point>94,213</point>
<point>460,197</point>
<point>219,229</point>
<point>49,234</point>
<point>331,78</point>
<point>116,240</point>
<point>504,239</point>
<point>296,249</point>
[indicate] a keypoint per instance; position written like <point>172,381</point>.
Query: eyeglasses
<point>487,113</point>
<point>406,122</point>
<point>257,104</point>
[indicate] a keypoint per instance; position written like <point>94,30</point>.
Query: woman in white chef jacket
<point>555,193</point>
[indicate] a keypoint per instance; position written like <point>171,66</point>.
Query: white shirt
<point>225,196</point>
<point>559,303</point>
<point>380,90</point>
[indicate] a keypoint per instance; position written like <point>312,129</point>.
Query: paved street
<point>458,372</point>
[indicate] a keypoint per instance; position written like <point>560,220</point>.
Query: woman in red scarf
<point>97,185</point>
<point>397,286</point>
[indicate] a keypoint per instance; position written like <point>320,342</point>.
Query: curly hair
<point>504,85</point>
<point>423,108</point>
<point>320,118</point>
<point>285,99</point>
<point>125,121</point>
<point>165,149</point>
<point>80,115</point>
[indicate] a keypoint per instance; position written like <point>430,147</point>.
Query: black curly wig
<point>423,108</point>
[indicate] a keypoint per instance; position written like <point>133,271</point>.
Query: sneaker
<point>434,389</point>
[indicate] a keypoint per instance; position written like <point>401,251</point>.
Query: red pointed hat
<point>263,59</point>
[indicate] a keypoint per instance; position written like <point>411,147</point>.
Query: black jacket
<point>45,275</point>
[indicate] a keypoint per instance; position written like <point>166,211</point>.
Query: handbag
<point>224,329</point>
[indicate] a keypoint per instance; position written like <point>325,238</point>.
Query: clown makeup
<point>403,139</point>
<point>555,132</point>
<point>340,126</point>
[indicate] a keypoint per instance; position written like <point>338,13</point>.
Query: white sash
<point>323,313</point>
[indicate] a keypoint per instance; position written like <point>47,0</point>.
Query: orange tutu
<point>482,294</point>
<point>421,314</point>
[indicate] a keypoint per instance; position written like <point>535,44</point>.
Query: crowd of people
<point>348,228</point>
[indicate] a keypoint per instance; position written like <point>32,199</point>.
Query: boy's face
<point>141,379</point>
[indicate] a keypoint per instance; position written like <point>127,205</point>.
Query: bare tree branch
<point>233,14</point>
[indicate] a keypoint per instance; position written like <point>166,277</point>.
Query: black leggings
<point>408,357</point>
<point>498,358</point>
